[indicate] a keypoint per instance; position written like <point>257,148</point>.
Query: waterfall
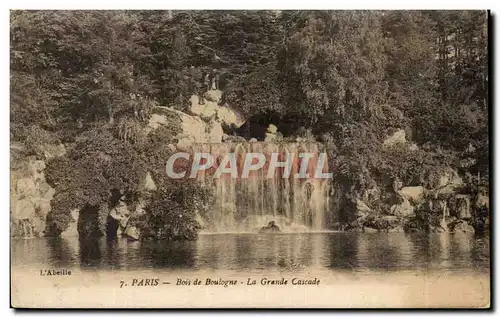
<point>247,204</point>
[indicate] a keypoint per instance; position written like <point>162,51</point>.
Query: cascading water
<point>247,204</point>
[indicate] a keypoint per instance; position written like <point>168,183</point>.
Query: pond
<point>335,251</point>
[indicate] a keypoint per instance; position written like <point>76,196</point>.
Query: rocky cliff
<point>30,194</point>
<point>444,204</point>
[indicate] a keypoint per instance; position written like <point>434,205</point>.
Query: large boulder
<point>193,128</point>
<point>399,137</point>
<point>203,125</point>
<point>120,213</point>
<point>405,208</point>
<point>362,210</point>
<point>23,209</point>
<point>38,224</point>
<point>26,187</point>
<point>215,132</point>
<point>229,117</point>
<point>42,206</point>
<point>46,190</point>
<point>30,194</point>
<point>209,111</point>
<point>149,183</point>
<point>413,194</point>
<point>449,177</point>
<point>132,233</point>
<point>224,114</point>
<point>156,120</point>
<point>214,95</point>
<point>196,108</point>
<point>35,168</point>
<point>448,182</point>
<point>272,129</point>
<point>362,207</point>
<point>271,134</point>
<point>139,209</point>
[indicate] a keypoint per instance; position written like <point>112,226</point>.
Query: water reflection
<point>249,251</point>
<point>343,252</point>
<point>90,252</point>
<point>164,254</point>
<point>286,252</point>
<point>62,251</point>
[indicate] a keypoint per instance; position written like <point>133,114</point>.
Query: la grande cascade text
<point>250,281</point>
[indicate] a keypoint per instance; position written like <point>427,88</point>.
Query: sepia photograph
<point>250,159</point>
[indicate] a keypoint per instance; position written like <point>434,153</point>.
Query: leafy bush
<point>412,167</point>
<point>172,211</point>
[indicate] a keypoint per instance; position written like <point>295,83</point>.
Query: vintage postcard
<point>249,159</point>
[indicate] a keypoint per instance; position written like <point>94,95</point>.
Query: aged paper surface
<point>102,290</point>
<point>249,159</point>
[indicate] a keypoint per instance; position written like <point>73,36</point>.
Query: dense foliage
<point>172,212</point>
<point>90,79</point>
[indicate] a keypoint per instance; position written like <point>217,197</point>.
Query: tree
<point>336,65</point>
<point>98,165</point>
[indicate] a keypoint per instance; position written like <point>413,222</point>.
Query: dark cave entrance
<point>256,126</point>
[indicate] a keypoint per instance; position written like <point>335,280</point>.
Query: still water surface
<point>254,252</point>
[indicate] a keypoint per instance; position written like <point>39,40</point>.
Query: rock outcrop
<point>149,183</point>
<point>383,223</point>
<point>132,233</point>
<point>398,137</point>
<point>203,124</point>
<point>271,134</point>
<point>441,203</point>
<point>29,199</point>
<point>120,214</point>
<point>211,110</point>
<point>193,129</point>
<point>405,208</point>
<point>413,194</point>
<point>362,210</point>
